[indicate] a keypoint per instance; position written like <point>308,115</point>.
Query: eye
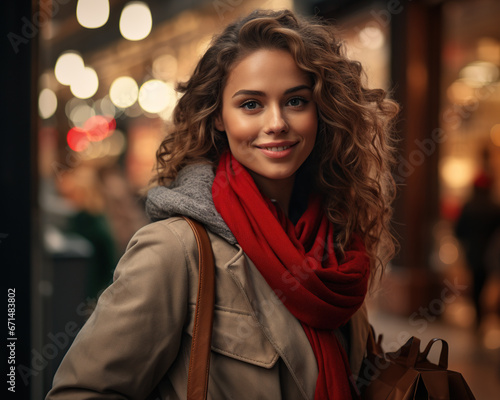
<point>297,102</point>
<point>250,105</point>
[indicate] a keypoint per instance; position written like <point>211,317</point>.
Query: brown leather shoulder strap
<point>199,362</point>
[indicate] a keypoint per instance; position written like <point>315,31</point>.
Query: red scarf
<point>300,265</point>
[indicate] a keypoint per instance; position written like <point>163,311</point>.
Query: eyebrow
<point>259,93</point>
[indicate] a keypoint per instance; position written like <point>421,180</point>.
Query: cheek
<point>309,127</point>
<point>240,130</point>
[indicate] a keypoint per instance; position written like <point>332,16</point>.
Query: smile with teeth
<point>277,148</point>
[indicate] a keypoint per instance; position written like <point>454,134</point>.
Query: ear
<point>219,124</point>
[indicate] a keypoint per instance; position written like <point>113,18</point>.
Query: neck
<point>279,190</point>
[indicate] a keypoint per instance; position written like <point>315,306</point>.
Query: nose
<point>275,121</point>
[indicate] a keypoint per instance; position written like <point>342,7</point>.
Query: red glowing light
<point>77,139</point>
<point>111,123</point>
<point>97,128</point>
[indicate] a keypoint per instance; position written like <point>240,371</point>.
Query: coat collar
<point>280,327</point>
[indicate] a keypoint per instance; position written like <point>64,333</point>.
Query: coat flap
<point>238,335</point>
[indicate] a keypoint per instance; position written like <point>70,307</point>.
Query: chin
<point>277,175</point>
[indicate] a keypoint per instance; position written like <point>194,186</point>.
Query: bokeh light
<point>123,92</point>
<point>480,73</point>
<point>456,172</point>
<point>117,143</point>
<point>77,139</point>
<point>72,104</point>
<point>448,252</point>
<point>165,67</point>
<point>105,106</point>
<point>69,67</point>
<point>136,21</point>
<point>460,92</point>
<point>495,134</point>
<point>92,14</point>
<point>86,85</point>
<point>99,127</point>
<point>80,113</point>
<point>155,96</point>
<point>47,103</point>
<point>371,37</point>
<point>112,146</point>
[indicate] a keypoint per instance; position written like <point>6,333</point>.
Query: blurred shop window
<point>470,87</point>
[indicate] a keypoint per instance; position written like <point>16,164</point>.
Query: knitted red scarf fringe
<point>300,265</point>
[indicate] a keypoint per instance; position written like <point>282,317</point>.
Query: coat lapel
<point>281,328</point>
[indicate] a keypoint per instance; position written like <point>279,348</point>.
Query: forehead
<point>266,70</point>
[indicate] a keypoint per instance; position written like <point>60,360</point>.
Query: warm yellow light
<point>155,96</point>
<point>495,134</point>
<point>460,92</point>
<point>136,21</point>
<point>123,92</point>
<point>371,37</point>
<point>491,338</point>
<point>488,49</point>
<point>165,67</point>
<point>448,253</point>
<point>86,85</point>
<point>47,103</point>
<point>92,13</point>
<point>69,67</point>
<point>456,172</point>
<point>480,73</point>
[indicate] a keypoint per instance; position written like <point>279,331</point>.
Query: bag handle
<point>407,355</point>
<point>199,361</point>
<point>374,347</point>
<point>443,357</point>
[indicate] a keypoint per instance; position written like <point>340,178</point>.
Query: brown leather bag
<point>199,361</point>
<point>407,374</point>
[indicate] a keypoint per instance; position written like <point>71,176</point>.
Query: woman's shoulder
<point>164,231</point>
<point>174,235</point>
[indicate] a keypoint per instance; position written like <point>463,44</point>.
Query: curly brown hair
<point>354,151</point>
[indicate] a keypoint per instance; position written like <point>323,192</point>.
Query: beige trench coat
<point>138,337</point>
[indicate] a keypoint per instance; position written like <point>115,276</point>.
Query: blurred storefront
<point>105,87</point>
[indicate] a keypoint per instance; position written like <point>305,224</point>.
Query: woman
<point>284,156</point>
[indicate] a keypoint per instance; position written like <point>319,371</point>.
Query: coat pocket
<point>238,335</point>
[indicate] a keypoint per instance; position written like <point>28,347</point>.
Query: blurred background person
<point>476,224</point>
<point>81,187</point>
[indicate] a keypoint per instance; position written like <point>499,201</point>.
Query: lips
<point>277,150</point>
<point>281,146</point>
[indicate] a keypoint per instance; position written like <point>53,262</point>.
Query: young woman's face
<point>269,115</point>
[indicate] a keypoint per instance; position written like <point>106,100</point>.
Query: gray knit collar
<point>189,195</point>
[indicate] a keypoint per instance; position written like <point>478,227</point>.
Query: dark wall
<point>18,178</point>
